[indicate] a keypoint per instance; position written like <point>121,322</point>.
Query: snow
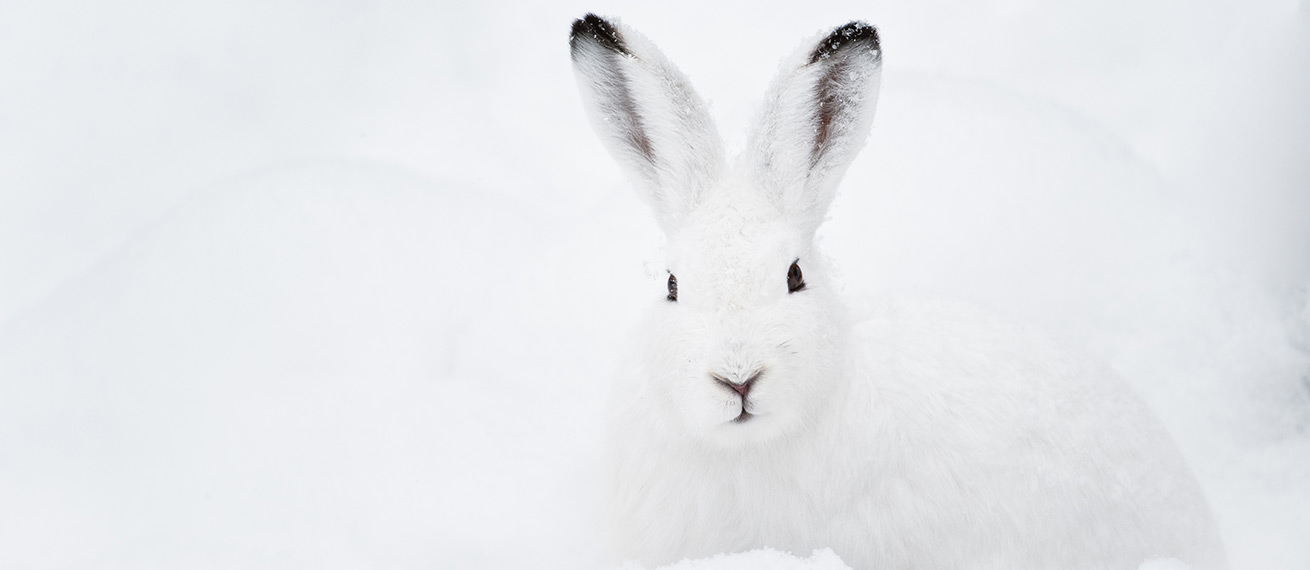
<point>764,559</point>
<point>825,559</point>
<point>297,285</point>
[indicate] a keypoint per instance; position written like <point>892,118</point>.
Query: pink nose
<point>741,388</point>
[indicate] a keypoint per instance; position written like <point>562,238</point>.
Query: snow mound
<point>768,559</point>
<point>1164,564</point>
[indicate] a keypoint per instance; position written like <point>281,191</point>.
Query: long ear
<point>647,115</point>
<point>815,120</point>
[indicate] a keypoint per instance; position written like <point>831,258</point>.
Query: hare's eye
<point>795,281</point>
<point>673,288</point>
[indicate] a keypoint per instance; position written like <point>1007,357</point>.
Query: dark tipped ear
<point>816,119</point>
<point>595,44</point>
<point>647,115</point>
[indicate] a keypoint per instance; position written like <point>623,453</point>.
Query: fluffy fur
<point>915,436</point>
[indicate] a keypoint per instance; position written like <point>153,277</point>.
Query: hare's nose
<point>742,388</point>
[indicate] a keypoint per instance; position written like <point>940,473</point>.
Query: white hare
<point>763,414</point>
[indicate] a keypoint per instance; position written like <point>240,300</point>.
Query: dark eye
<point>795,281</point>
<point>673,288</point>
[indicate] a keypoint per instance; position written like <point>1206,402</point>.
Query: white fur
<point>915,436</point>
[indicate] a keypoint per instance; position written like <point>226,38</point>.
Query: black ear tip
<point>855,33</point>
<point>596,29</point>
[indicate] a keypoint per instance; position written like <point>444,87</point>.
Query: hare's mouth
<point>739,388</point>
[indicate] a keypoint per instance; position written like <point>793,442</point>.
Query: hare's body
<point>956,442</point>
<point>762,414</point>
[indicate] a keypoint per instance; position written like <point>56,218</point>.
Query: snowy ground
<point>335,285</point>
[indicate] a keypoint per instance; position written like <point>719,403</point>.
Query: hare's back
<point>1003,437</point>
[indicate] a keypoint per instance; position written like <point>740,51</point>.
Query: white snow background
<point>338,284</point>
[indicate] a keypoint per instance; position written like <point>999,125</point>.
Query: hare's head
<point>749,339</point>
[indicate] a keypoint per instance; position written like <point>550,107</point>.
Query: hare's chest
<point>702,509</point>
